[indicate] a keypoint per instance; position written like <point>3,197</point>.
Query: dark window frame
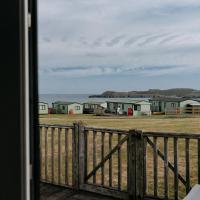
<point>13,144</point>
<point>77,107</point>
<point>34,121</point>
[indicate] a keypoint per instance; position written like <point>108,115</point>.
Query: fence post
<point>139,165</point>
<point>135,165</point>
<point>75,157</point>
<point>131,176</point>
<point>82,153</point>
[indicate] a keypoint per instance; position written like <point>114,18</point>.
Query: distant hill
<point>174,92</point>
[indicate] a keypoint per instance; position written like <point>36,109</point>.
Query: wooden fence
<point>127,164</point>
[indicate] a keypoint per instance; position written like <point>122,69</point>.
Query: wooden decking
<point>52,192</point>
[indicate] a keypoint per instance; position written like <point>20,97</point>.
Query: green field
<point>154,123</point>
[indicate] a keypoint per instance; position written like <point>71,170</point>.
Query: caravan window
<point>77,107</point>
<point>173,105</point>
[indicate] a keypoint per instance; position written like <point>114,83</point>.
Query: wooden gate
<point>121,158</point>
<point>172,164</point>
<point>100,160</point>
<point>127,164</point>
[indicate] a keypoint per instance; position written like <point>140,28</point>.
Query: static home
<point>190,107</point>
<point>91,107</point>
<point>175,106</point>
<point>61,107</point>
<point>43,108</point>
<point>130,108</point>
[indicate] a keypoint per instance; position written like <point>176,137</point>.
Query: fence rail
<point>128,164</point>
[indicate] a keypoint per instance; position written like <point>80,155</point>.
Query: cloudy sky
<point>89,46</point>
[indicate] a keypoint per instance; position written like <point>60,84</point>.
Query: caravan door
<point>130,111</point>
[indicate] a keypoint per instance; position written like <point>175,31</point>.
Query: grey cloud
<point>63,69</point>
<point>152,38</point>
<point>98,42</point>
<point>83,40</point>
<point>169,38</point>
<point>132,40</point>
<point>115,40</point>
<point>96,55</point>
<point>46,39</point>
<point>179,9</point>
<point>114,70</point>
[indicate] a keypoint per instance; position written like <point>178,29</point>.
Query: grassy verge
<point>154,123</point>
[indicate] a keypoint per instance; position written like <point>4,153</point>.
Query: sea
<point>80,98</point>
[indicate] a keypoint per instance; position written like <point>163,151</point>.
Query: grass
<point>155,123</point>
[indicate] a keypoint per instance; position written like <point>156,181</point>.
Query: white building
<point>43,108</point>
<point>67,107</point>
<point>175,106</point>
<point>130,108</point>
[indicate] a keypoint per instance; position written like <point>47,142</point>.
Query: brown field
<point>154,123</point>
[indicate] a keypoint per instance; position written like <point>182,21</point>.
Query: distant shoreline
<point>151,93</point>
<point>111,97</point>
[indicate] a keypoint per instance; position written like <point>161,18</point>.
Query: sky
<point>90,46</point>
